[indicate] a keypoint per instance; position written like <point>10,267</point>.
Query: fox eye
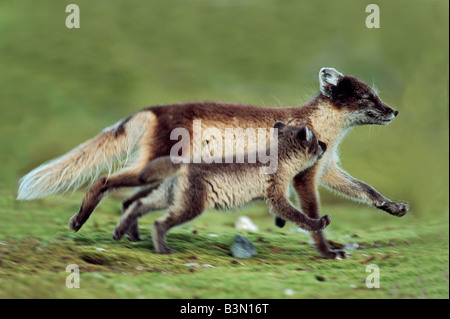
<point>366,103</point>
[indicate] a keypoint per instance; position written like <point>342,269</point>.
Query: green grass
<point>35,250</point>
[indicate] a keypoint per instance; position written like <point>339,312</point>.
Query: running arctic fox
<point>188,189</point>
<point>343,102</point>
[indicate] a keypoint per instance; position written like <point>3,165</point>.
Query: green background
<point>60,87</point>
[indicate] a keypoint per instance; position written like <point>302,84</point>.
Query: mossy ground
<point>36,247</point>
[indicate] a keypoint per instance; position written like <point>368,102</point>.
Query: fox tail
<point>109,151</point>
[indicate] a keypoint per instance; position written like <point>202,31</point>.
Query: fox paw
<point>325,220</point>
<point>317,225</point>
<point>279,221</point>
<point>396,209</point>
<point>134,237</point>
<point>329,253</point>
<point>334,245</point>
<point>166,251</point>
<point>74,224</point>
<point>117,234</point>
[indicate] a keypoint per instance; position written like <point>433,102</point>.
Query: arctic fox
<point>342,102</point>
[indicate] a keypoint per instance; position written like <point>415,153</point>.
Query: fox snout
<point>380,114</point>
<point>389,110</point>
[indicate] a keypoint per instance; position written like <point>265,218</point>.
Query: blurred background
<point>60,86</point>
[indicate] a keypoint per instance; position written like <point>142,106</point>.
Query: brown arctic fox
<point>190,188</point>
<point>343,102</point>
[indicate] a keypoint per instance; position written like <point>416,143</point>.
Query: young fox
<point>342,103</point>
<point>188,189</point>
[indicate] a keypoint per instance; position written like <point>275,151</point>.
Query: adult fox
<point>342,102</point>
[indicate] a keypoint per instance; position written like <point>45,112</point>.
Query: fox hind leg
<point>184,210</point>
<point>125,178</point>
<point>133,230</point>
<point>158,199</point>
<point>173,218</point>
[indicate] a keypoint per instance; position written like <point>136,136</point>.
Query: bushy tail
<point>110,150</point>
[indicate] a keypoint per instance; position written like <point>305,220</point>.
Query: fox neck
<point>329,123</point>
<point>297,163</point>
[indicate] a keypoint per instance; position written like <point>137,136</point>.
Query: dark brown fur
<point>181,115</point>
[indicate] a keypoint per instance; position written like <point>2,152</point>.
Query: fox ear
<point>329,78</point>
<point>304,135</point>
<point>279,125</point>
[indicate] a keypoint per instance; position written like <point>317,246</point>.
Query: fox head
<point>356,98</point>
<point>299,142</point>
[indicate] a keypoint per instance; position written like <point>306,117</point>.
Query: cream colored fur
<point>104,153</point>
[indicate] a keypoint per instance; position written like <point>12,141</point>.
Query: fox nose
<point>395,113</point>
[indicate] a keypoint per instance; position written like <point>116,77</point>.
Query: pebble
<point>289,292</point>
<point>207,266</point>
<point>196,265</point>
<point>242,248</point>
<point>191,265</point>
<point>245,223</point>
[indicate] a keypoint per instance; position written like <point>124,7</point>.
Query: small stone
<point>289,292</point>
<point>191,265</point>
<point>242,248</point>
<point>99,249</point>
<point>213,235</point>
<point>207,266</point>
<point>245,223</point>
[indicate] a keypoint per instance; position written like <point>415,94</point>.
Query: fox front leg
<point>284,209</point>
<point>306,189</point>
<point>340,181</point>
